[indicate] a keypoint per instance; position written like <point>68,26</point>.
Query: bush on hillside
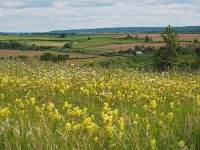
<point>67,45</point>
<point>54,58</point>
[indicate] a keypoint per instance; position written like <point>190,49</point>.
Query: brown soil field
<point>126,46</point>
<point>157,37</point>
<point>6,53</point>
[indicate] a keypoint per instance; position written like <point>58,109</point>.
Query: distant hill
<point>186,29</point>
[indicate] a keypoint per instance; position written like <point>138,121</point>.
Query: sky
<point>48,15</point>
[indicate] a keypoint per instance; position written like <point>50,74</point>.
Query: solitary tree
<point>170,38</point>
<point>165,57</point>
<point>198,56</point>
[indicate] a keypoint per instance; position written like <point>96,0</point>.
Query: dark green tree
<point>53,57</point>
<point>165,57</point>
<point>198,56</point>
<point>89,38</point>
<point>129,36</point>
<point>148,39</point>
<point>68,45</point>
<point>170,38</point>
<point>196,41</point>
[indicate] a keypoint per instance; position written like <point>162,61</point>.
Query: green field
<point>98,45</point>
<point>80,41</point>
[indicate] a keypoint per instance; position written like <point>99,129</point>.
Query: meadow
<point>54,106</point>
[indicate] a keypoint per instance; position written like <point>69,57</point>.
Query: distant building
<point>139,53</point>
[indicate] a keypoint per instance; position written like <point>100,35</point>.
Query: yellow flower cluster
<point>4,112</point>
<point>111,121</point>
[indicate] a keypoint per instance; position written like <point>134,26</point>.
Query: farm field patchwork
<point>86,51</point>
<point>103,40</point>
<point>54,106</point>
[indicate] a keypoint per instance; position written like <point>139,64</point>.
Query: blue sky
<point>46,15</point>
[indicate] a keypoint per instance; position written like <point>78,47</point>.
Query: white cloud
<point>45,15</point>
<point>18,4</point>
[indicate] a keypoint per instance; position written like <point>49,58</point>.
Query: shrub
<point>10,45</point>
<point>46,57</point>
<point>148,39</point>
<point>129,36</point>
<point>22,57</point>
<point>89,38</point>
<point>186,62</point>
<point>67,45</point>
<point>196,41</point>
<point>198,56</point>
<point>164,59</point>
<point>54,58</point>
<point>15,45</point>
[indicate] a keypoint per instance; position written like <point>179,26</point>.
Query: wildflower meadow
<point>54,106</point>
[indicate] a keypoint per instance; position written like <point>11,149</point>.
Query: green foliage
<point>15,45</point>
<point>127,51</point>
<point>165,57</point>
<point>186,62</point>
<point>54,58</point>
<point>197,50</point>
<point>68,45</point>
<point>196,41</point>
<point>62,35</point>
<point>198,56</point>
<point>10,45</point>
<point>89,38</point>
<point>188,49</point>
<point>148,39</point>
<point>129,36</point>
<point>170,38</point>
<point>109,54</point>
<point>22,57</point>
<point>139,62</point>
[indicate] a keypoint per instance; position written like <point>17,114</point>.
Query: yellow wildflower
<point>4,112</point>
<point>153,104</point>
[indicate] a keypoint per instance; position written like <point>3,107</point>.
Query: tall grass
<point>52,106</point>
